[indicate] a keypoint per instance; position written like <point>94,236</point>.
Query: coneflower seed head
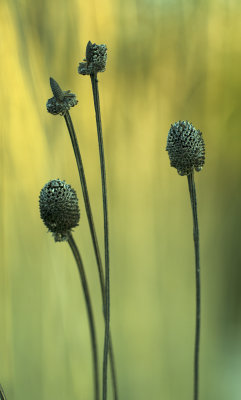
<point>185,147</point>
<point>59,208</point>
<point>62,100</point>
<point>95,61</point>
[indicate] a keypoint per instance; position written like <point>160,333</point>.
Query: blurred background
<point>167,60</point>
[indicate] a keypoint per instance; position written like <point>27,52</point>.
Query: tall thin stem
<point>192,191</point>
<point>80,166</point>
<point>2,395</point>
<point>94,83</point>
<point>81,270</point>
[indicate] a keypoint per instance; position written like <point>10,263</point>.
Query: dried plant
<point>60,213</point>
<point>95,62</point>
<point>186,151</point>
<point>60,104</point>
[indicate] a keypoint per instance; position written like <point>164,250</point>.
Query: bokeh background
<point>167,60</point>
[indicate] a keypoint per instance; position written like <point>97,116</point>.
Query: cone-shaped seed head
<point>56,89</point>
<point>95,61</point>
<point>59,208</point>
<point>89,52</point>
<point>185,147</point>
<point>62,100</point>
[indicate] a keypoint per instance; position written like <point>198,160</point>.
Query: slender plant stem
<point>2,395</point>
<point>94,83</point>
<point>80,266</point>
<point>192,191</point>
<point>80,166</point>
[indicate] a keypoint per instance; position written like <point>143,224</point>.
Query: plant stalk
<point>193,198</point>
<point>83,279</point>
<point>2,395</point>
<point>80,166</point>
<point>95,90</point>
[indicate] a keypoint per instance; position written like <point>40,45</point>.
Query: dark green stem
<point>2,395</point>
<point>192,191</point>
<point>93,236</point>
<point>80,266</point>
<point>85,191</point>
<point>94,83</point>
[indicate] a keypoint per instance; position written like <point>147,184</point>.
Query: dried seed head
<point>56,89</point>
<point>95,61</point>
<point>185,147</point>
<point>89,52</point>
<point>59,208</point>
<point>62,100</point>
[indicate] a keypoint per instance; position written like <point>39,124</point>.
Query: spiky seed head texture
<point>95,61</point>
<point>89,51</point>
<point>59,208</point>
<point>185,146</point>
<point>62,100</point>
<point>56,89</point>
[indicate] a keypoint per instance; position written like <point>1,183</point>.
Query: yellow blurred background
<point>167,60</point>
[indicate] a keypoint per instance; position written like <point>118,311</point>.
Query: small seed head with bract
<point>59,208</point>
<point>62,100</point>
<point>95,59</point>
<point>185,147</point>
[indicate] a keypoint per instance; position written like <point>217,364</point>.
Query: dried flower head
<point>62,100</point>
<point>95,59</point>
<point>185,147</point>
<point>59,208</point>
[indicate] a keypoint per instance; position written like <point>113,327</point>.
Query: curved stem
<point>80,266</point>
<point>192,191</point>
<point>2,395</point>
<point>80,166</point>
<point>84,190</point>
<point>112,368</point>
<point>94,83</point>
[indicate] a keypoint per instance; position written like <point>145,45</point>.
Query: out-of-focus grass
<point>166,61</point>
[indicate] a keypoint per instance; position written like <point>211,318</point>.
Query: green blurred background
<point>167,60</point>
